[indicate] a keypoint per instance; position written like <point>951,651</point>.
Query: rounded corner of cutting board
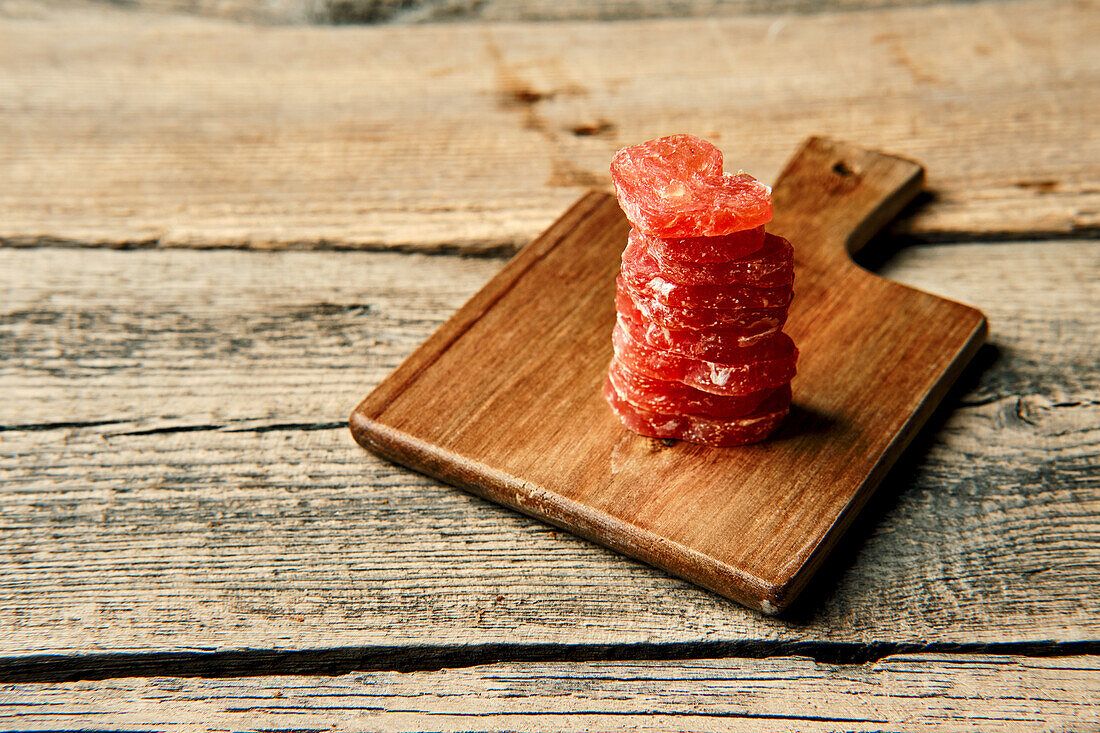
<point>769,598</point>
<point>363,429</point>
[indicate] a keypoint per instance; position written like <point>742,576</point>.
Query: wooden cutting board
<point>504,399</point>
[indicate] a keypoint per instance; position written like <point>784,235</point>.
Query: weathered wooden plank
<point>898,693</point>
<point>307,333</point>
<point>177,475</point>
<point>450,11</point>
<point>150,130</point>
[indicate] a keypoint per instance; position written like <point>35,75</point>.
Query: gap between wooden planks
<point>342,12</point>
<point>177,476</point>
<point>144,130</point>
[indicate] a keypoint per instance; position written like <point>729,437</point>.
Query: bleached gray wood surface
<point>178,492</point>
<point>178,478</point>
<point>142,130</point>
<point>904,693</point>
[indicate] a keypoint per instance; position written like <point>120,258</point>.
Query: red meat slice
<point>675,295</point>
<point>704,250</point>
<point>773,347</point>
<point>723,378</point>
<point>675,187</point>
<point>728,345</point>
<point>752,321</point>
<point>751,428</point>
<point>676,398</point>
<point>771,266</point>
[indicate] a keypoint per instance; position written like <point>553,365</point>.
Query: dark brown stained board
<point>504,399</point>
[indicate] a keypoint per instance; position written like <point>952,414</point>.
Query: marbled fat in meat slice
<point>719,432</point>
<point>771,266</point>
<point>676,398</point>
<point>704,250</point>
<point>724,378</point>
<point>709,344</point>
<point>772,348</point>
<point>750,321</point>
<point>675,187</point>
<point>675,295</point>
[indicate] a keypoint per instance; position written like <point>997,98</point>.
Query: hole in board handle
<point>841,169</point>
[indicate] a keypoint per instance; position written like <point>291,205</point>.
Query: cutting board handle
<point>834,196</point>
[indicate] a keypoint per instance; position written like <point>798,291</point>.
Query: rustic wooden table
<point>219,233</point>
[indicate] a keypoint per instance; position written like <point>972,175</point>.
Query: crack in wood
<point>273,427</point>
<point>36,427</point>
<point>474,248</point>
<point>342,660</point>
<point>960,404</point>
<point>897,237</point>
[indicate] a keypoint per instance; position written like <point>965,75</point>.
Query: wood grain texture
<point>141,130</point>
<point>504,400</point>
<point>177,477</point>
<point>900,693</point>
